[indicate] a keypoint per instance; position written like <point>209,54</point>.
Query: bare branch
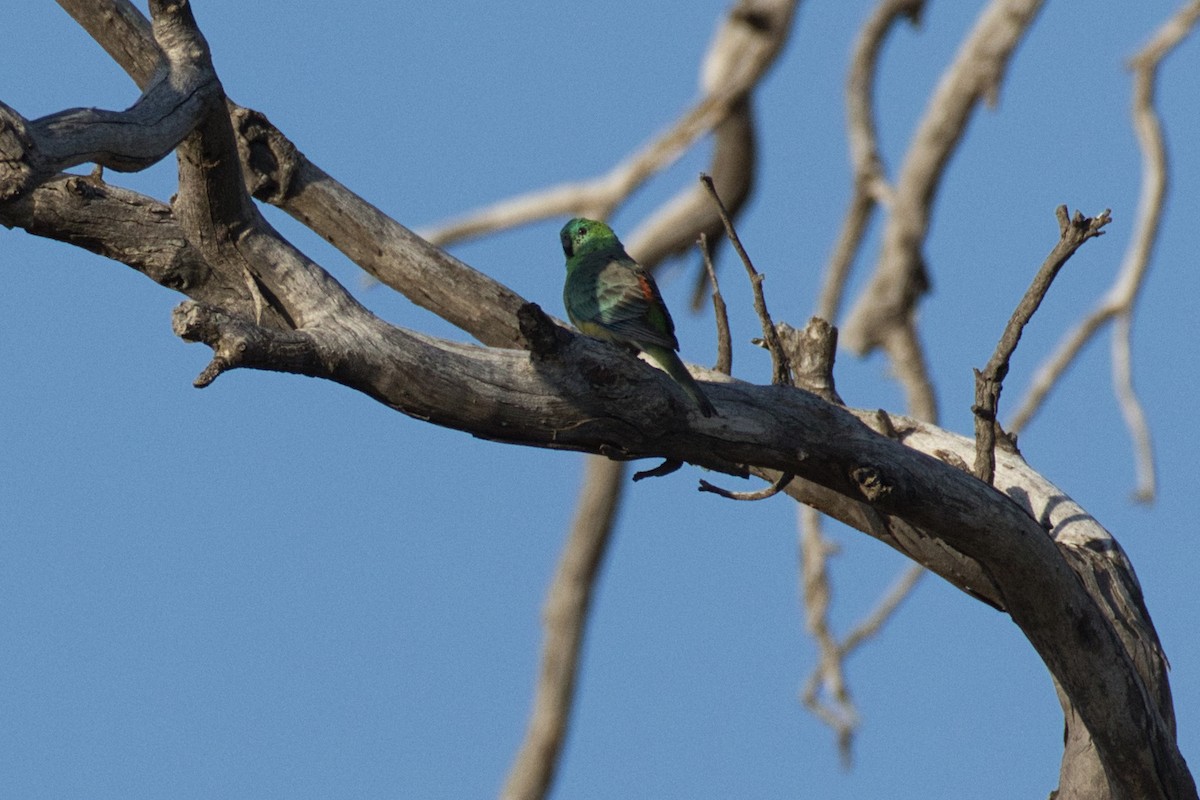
<point>840,714</point>
<point>278,173</point>
<point>665,468</point>
<point>883,316</point>
<point>873,623</point>
<point>236,343</point>
<point>746,44</point>
<point>1131,409</point>
<point>564,619</point>
<point>870,180</point>
<point>1073,232</point>
<point>775,488</point>
<point>126,141</point>
<point>1119,302</point>
<point>826,692</point>
<point>780,368</point>
<point>720,312</point>
<point>218,216</point>
<point>1052,369</point>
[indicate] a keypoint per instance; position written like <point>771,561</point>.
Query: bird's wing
<point>630,306</point>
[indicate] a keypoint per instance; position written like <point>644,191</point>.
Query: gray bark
<point>1022,546</point>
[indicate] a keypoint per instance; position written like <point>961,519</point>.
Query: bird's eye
<point>582,232</point>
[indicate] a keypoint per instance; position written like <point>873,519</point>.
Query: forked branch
<point>1073,232</point>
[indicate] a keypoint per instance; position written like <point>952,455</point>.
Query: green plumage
<point>609,296</point>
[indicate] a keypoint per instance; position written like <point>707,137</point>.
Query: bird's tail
<point>675,368</point>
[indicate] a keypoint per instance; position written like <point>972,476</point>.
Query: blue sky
<point>276,588</point>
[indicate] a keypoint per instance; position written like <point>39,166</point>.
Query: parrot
<point>610,296</point>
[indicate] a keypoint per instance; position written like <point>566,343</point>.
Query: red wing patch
<point>647,289</point>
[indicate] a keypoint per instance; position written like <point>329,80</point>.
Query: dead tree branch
<point>1021,545</point>
<point>1073,232</point>
<point>744,47</point>
<point>826,692</point>
<point>1121,299</point>
<point>724,363</point>
<point>838,712</point>
<point>564,619</point>
<point>775,488</point>
<point>883,316</point>
<point>811,353</point>
<point>870,179</point>
<point>781,373</point>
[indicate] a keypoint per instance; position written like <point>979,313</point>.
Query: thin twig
<point>761,494</point>
<point>565,618</point>
<point>720,313</point>
<point>780,368</point>
<point>665,468</point>
<point>1073,232</point>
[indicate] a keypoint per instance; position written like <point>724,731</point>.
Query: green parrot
<point>610,296</point>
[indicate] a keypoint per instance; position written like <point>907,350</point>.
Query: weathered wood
<point>259,303</point>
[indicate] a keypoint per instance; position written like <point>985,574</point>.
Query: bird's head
<point>580,236</point>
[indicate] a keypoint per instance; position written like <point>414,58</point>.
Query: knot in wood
<point>85,188</point>
<point>870,482</point>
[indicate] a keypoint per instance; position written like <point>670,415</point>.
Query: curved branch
<point>1072,591</point>
<point>170,106</point>
<point>1119,302</point>
<point>724,363</point>
<point>777,486</point>
<point>883,316</point>
<point>589,398</point>
<point>127,141</point>
<point>278,173</point>
<point>745,45</point>
<point>870,180</point>
<point>564,618</point>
